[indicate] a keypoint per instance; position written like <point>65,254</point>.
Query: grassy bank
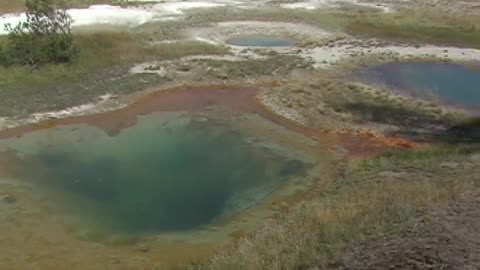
<point>330,19</point>
<point>412,25</point>
<point>98,51</point>
<point>424,26</point>
<point>99,67</point>
<point>372,198</point>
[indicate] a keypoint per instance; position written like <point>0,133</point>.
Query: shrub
<point>45,37</point>
<point>3,56</point>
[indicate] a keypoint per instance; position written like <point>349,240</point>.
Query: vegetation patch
<point>328,102</point>
<point>423,26</point>
<point>331,20</point>
<point>98,68</point>
<point>45,36</point>
<point>275,65</point>
<point>372,198</point>
<point>406,25</point>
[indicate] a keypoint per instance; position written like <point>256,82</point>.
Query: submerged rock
<point>392,174</point>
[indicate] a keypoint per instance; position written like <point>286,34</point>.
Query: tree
<point>45,37</point>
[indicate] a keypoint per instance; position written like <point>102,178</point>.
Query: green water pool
<point>168,172</point>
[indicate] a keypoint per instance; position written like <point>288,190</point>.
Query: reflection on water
<point>453,84</point>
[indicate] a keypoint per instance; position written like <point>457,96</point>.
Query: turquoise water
<point>261,41</point>
<point>454,84</point>
<point>169,172</point>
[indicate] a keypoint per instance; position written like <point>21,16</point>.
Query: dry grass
<point>333,20</point>
<point>430,25</point>
<point>365,203</point>
<point>101,66</point>
<point>324,101</point>
<point>420,25</point>
<point>99,51</point>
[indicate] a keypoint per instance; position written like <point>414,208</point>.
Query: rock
<point>391,174</point>
<point>222,75</point>
<point>449,165</point>
<point>153,67</point>
<point>340,152</point>
<point>184,68</point>
<point>475,158</point>
<point>143,248</point>
<point>170,75</point>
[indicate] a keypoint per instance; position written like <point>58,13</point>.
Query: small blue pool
<point>452,84</point>
<point>261,41</point>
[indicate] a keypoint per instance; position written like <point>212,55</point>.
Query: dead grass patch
<point>364,204</point>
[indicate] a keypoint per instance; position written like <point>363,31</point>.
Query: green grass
<point>430,26</point>
<point>98,51</point>
<point>332,20</point>
<point>419,25</point>
<point>362,205</point>
<point>425,156</point>
<point>102,58</point>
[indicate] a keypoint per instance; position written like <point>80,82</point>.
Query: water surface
<point>168,172</point>
<point>261,41</point>
<point>453,84</point>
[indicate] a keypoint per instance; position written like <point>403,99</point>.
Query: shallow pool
<point>261,41</point>
<point>168,172</point>
<point>166,180</point>
<point>177,162</point>
<point>453,84</point>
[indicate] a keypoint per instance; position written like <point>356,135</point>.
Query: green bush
<point>3,56</point>
<point>44,38</point>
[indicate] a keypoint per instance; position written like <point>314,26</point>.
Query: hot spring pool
<point>261,41</point>
<point>452,84</point>
<point>169,179</point>
<point>168,172</point>
<point>152,170</point>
